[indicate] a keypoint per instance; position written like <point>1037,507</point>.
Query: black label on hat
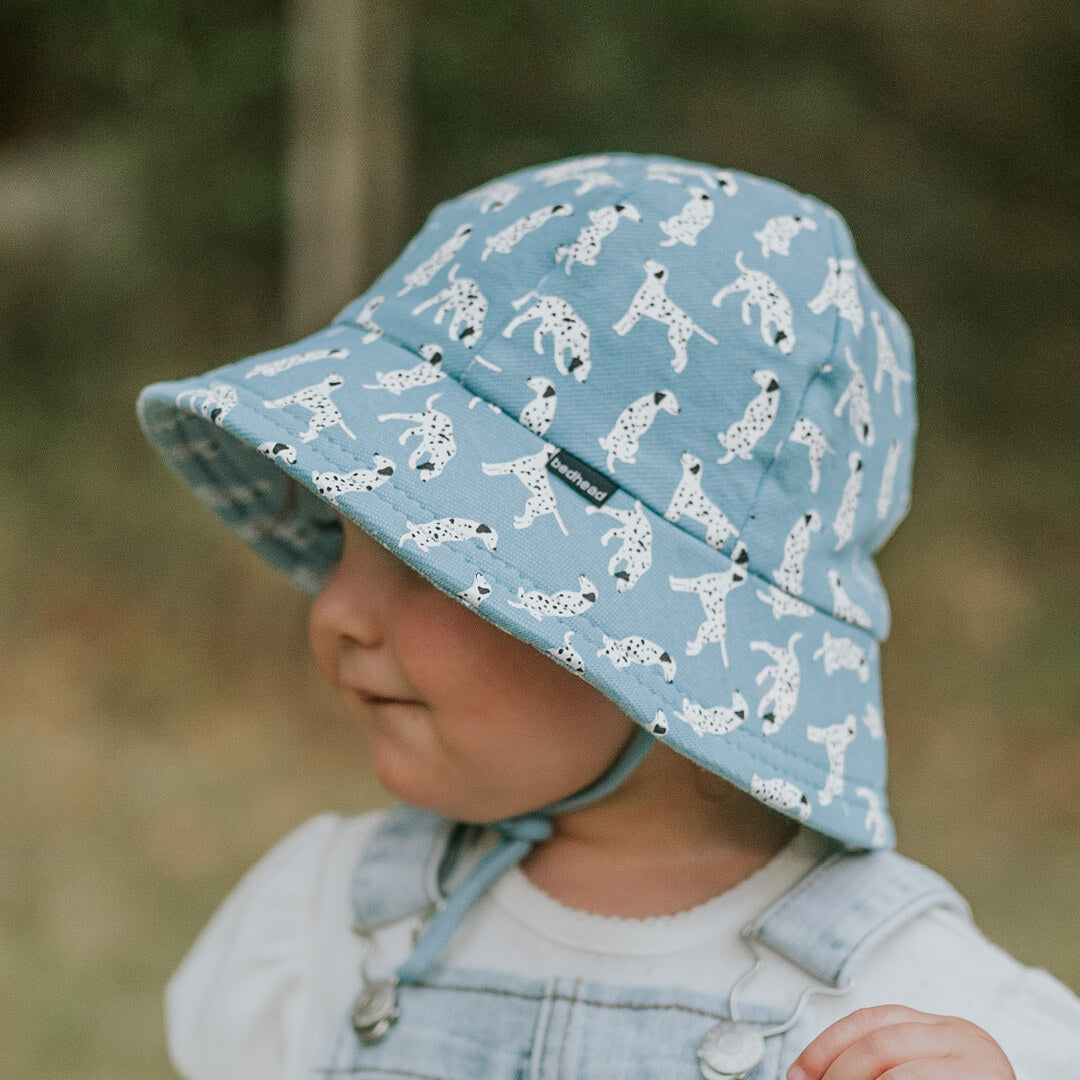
<point>595,486</point>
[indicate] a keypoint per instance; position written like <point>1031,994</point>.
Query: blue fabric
<point>709,342</point>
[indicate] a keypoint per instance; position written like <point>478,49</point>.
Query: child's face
<point>463,718</point>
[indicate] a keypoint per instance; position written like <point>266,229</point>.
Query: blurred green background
<point>160,722</point>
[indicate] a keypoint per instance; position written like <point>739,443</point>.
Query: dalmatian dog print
<point>776,234</point>
<point>366,320</point>
<point>875,823</point>
<point>717,720</point>
<point>332,485</point>
<point>844,521</point>
<point>872,720</point>
<point>683,227</point>
<point>278,451</point>
<point>651,300</point>
<point>567,655</point>
<point>469,304</point>
<point>634,649</point>
<point>436,433</point>
<point>215,401</point>
<point>659,724</point>
<point>316,399</point>
<point>835,740</point>
<point>538,413</point>
<point>840,290</point>
<point>779,701</point>
<point>428,270</point>
<point>207,449</point>
<point>689,500</point>
<point>842,654</point>
<point>497,195</point>
<point>557,605</point>
<point>503,242</point>
<point>807,433</point>
<point>476,593</point>
<point>635,551</point>
<point>425,373</point>
<point>887,364</point>
<point>888,480</point>
<point>856,399</point>
<point>843,606</point>
<point>285,363</point>
<point>431,534</point>
<point>602,222</point>
<point>712,590</point>
<point>623,440</point>
<point>674,173</point>
<point>782,604</point>
<point>585,172</point>
<point>569,334</point>
<point>763,292</point>
<point>781,795</point>
<point>741,438</point>
<point>532,471</point>
<point>789,574</point>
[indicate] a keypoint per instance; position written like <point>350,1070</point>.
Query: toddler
<point>587,488</point>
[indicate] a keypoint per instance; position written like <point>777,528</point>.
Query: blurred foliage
<point>141,237</point>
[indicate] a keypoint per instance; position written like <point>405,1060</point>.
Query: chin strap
<point>516,838</point>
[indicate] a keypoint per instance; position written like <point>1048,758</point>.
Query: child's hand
<point>893,1042</point>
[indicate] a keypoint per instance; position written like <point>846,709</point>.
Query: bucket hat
<point>651,416</point>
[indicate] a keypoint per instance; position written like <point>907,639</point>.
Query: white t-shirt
<point>277,966</point>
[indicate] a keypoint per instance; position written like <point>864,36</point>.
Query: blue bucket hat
<point>650,416</point>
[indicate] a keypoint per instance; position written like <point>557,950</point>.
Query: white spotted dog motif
<point>856,397</point>
<point>872,720</point>
<point>789,574</point>
<point>635,551</point>
<point>840,290</point>
<point>585,172</point>
<point>502,243</point>
<point>843,654</point>
<point>332,485</point>
<point>782,604</point>
<point>875,819</point>
<point>843,606</point>
<point>779,701</point>
<point>712,590</point>
<point>469,304</point>
<point>622,652</point>
<point>775,307</point>
<point>278,451</point>
<point>205,449</point>
<point>835,740</point>
<point>888,480</point>
<point>807,433</point>
<point>366,320</point>
<point>651,300</point>
<point>425,273</point>
<point>496,196</point>
<point>569,333</point>
<point>689,500</point>
<point>559,605</point>
<point>673,173</point>
<point>717,720</point>
<point>887,364</point>
<point>567,655</point>
<point>844,522</point>
<point>586,247</point>
<point>538,413</point>
<point>780,794</point>
<point>623,440</point>
<point>476,593</point>
<point>284,363</point>
<point>778,232</point>
<point>436,431</point>
<point>214,402</point>
<point>659,725</point>
<point>532,471</point>
<point>741,438</point>
<point>425,373</point>
<point>684,227</point>
<point>431,534</point>
<point>316,399</point>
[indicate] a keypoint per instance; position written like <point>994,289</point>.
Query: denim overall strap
<point>846,905</point>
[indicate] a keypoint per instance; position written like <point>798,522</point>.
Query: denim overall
<point>470,1024</point>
